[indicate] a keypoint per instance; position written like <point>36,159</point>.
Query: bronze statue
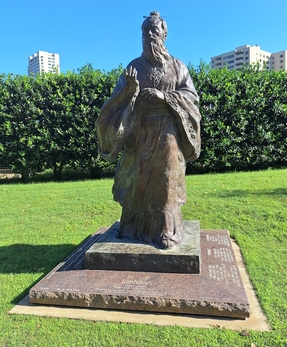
<point>152,116</point>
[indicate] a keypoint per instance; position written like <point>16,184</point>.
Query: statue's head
<point>154,33</point>
<point>154,25</point>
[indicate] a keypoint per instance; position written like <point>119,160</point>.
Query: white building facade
<point>43,62</point>
<point>278,61</point>
<point>250,55</point>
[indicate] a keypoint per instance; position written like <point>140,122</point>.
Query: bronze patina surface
<point>153,117</point>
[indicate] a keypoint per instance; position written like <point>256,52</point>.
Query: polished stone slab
<point>257,320</point>
<point>122,254</point>
<point>217,291</point>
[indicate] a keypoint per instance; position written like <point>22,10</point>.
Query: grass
<point>40,224</point>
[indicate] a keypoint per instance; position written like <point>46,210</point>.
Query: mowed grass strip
<point>40,224</point>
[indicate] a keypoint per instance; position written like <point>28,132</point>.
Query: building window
<point>228,57</point>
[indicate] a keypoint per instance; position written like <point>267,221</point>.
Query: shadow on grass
<point>67,175</point>
<point>278,192</point>
<point>27,258</point>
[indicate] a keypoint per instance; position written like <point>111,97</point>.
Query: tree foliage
<point>47,121</point>
<point>244,116</point>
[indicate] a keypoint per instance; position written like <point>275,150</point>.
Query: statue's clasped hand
<point>150,94</point>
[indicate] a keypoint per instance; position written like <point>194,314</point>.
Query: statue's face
<point>152,31</point>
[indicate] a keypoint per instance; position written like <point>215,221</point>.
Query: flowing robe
<point>157,138</point>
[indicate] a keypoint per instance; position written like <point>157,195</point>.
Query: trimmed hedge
<point>47,121</point>
<point>244,118</point>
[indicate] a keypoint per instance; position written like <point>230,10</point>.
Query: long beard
<point>155,52</point>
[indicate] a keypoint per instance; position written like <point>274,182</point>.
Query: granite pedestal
<point>216,291</point>
<point>113,253</point>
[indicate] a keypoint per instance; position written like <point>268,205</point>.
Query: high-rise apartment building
<point>250,55</point>
<point>278,61</point>
<point>43,62</point>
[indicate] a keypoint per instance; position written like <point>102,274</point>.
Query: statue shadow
<point>27,259</point>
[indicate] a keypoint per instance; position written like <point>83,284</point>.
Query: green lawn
<point>40,224</point>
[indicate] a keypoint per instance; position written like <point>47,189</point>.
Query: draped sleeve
<point>184,102</point>
<point>114,123</point>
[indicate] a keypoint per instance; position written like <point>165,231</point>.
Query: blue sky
<point>107,33</point>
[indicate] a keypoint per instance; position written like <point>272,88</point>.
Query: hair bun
<point>154,14</point>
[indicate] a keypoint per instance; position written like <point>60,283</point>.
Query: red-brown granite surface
<point>217,291</point>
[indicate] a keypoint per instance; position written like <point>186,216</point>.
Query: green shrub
<point>47,121</point>
<point>244,116</point>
